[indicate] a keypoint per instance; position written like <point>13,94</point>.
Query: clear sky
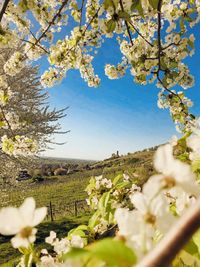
<point>119,115</point>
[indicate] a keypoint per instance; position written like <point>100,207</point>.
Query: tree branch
<point>128,28</point>
<point>160,52</point>
<point>140,34</point>
<point>174,241</point>
<point>52,22</point>
<point>6,2</point>
<point>41,47</point>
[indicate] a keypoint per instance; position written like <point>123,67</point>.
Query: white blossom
<point>21,222</point>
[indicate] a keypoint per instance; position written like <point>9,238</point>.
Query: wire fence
<point>58,210</point>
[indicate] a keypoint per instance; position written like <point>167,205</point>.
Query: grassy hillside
<point>65,190</point>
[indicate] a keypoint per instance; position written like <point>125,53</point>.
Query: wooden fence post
<point>51,211</point>
<point>75,208</point>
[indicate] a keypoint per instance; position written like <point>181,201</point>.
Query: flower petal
<point>163,159</point>
<point>152,186</point>
<point>18,242</point>
<point>139,201</point>
<point>27,211</point>
<point>10,221</point>
<point>39,216</point>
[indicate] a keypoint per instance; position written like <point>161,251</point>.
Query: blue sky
<point>119,115</point>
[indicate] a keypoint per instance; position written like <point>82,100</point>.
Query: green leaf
<point>173,64</point>
<point>188,18</point>
<point>185,259</point>
<point>163,64</point>
<point>181,23</point>
<point>191,248</point>
<point>190,43</point>
<point>74,253</point>
<point>122,184</point>
<point>138,6</point>
<point>107,4</point>
<point>76,231</point>
<point>196,239</point>
<point>113,252</point>
<point>110,24</point>
<point>154,3</point>
<point>104,201</point>
<point>26,251</point>
<point>2,123</point>
<point>118,178</point>
<point>124,15</point>
<point>94,219</point>
<point>23,4</point>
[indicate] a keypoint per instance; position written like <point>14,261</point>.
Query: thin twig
<point>171,45</point>
<point>95,15</point>
<point>140,33</point>
<point>126,23</point>
<point>52,21</point>
<point>41,47</point>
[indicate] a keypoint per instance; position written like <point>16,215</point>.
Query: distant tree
<point>27,115</point>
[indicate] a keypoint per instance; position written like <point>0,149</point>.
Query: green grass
<point>60,193</point>
<point>9,256</point>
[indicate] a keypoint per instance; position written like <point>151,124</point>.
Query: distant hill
<point>68,160</point>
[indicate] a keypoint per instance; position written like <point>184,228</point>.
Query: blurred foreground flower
<point>21,222</point>
<point>173,174</point>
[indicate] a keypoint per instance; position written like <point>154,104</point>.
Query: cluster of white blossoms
<point>96,186</point>
<point>11,121</point>
<point>52,76</point>
<point>120,187</point>
<point>33,52</point>
<point>115,72</point>
<point>18,145</point>
<point>5,95</point>
<point>179,105</point>
<point>60,247</point>
<point>104,196</point>
<point>162,201</point>
<point>67,54</point>
<point>14,64</point>
<point>15,15</point>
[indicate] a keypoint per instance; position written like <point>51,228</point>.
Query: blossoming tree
<point>27,123</point>
<point>155,37</point>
